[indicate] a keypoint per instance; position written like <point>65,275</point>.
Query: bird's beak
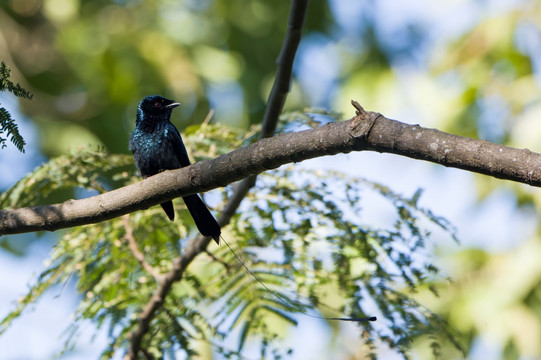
<point>173,105</point>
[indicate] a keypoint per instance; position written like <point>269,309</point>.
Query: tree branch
<point>366,131</point>
<point>282,81</point>
<point>139,256</point>
<point>480,156</point>
<point>279,92</point>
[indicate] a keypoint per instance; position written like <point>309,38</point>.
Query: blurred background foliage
<point>467,67</point>
<point>90,63</point>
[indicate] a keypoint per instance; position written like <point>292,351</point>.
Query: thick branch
<point>366,131</point>
<point>480,156</point>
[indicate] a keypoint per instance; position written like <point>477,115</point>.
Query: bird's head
<point>155,107</point>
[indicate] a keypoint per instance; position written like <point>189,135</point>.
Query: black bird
<point>157,146</point>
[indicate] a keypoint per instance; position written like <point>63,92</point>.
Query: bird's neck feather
<point>150,121</point>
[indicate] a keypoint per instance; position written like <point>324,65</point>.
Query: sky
<point>494,225</point>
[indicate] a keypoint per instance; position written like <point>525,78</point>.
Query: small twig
<point>358,107</point>
<point>218,260</point>
<point>136,252</point>
<point>208,118</point>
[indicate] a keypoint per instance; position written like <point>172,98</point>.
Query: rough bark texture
<point>366,131</point>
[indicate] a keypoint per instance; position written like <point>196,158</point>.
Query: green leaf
<point>7,123</point>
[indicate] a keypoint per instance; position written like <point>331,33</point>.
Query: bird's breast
<point>154,151</point>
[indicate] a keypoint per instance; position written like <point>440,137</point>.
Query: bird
<point>157,146</point>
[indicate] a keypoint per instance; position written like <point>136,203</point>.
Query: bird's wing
<point>178,145</point>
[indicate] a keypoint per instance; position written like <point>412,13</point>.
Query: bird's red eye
<point>157,104</point>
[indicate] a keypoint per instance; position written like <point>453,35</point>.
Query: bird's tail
<point>205,222</point>
<point>169,210</point>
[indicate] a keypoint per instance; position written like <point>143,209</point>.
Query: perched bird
<point>157,146</point>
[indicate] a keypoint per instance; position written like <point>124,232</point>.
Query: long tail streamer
<point>286,303</point>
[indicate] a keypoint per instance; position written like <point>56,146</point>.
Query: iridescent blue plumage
<point>157,146</point>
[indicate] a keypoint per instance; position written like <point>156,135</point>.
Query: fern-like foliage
<point>306,235</point>
<point>7,123</point>
<point>327,259</point>
<point>83,168</point>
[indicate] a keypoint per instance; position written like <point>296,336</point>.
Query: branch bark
<point>366,131</point>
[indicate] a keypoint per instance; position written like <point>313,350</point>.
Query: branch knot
<point>362,123</point>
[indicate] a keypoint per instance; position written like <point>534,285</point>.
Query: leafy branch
<point>7,123</point>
